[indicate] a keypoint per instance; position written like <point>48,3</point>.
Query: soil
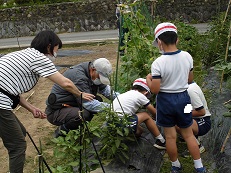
<point>41,130</point>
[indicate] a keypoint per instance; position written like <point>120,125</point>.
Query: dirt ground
<point>42,130</point>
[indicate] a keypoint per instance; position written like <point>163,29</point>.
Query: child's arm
<point>152,110</point>
<point>190,76</point>
<point>198,113</point>
<point>153,84</point>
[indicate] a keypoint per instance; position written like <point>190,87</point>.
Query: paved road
<point>77,37</point>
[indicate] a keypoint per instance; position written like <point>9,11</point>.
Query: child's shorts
<point>204,125</point>
<point>173,109</point>
<point>133,122</point>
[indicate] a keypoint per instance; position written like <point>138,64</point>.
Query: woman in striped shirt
<point>19,73</point>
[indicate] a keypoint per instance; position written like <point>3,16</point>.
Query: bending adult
<point>63,107</point>
<point>19,72</point>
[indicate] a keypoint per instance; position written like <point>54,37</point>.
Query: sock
<point>176,163</point>
<point>161,138</point>
<point>198,163</point>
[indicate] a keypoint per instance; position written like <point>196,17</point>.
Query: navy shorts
<point>204,125</point>
<point>173,109</point>
<point>133,122</point>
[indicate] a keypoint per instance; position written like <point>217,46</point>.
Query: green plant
<point>22,1</point>
<point>115,133</point>
<point>228,113</point>
<point>139,51</point>
<point>74,151</point>
<point>216,40</point>
<point>76,145</point>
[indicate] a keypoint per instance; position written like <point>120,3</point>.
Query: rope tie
<point>38,156</point>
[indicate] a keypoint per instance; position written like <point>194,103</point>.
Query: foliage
<point>139,49</point>
<point>215,42</point>
<point>76,147</point>
<point>22,1</point>
<point>13,3</point>
<point>111,138</point>
<point>190,40</point>
<point>115,133</point>
<point>224,66</point>
<point>228,113</point>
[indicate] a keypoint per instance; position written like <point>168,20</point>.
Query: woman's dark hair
<point>45,38</point>
<point>168,37</point>
<point>138,88</point>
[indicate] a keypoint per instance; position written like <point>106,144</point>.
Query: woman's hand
<point>37,113</point>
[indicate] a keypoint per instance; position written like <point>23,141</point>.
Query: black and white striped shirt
<point>20,71</point>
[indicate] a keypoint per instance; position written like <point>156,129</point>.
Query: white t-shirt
<point>20,71</point>
<point>173,69</point>
<point>130,101</point>
<point>198,99</point>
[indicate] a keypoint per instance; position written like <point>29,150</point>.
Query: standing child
<point>169,79</point>
<point>130,102</point>
<point>200,113</point>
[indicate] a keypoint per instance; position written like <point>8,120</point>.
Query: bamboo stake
<point>227,102</point>
<point>226,140</point>
<point>227,10</point>
<point>222,25</point>
<point>226,56</point>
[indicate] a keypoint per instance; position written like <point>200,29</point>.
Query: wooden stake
<point>226,140</point>
<point>226,56</point>
<point>227,102</point>
<point>227,10</point>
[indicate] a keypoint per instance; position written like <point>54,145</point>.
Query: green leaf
<point>228,106</point>
<point>125,155</point>
<point>119,132</point>
<point>122,159</point>
<point>76,163</point>
<point>227,114</point>
<point>117,142</point>
<point>96,134</point>
<point>126,131</point>
<point>113,149</point>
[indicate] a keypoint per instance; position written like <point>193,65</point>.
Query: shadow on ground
<point>143,158</point>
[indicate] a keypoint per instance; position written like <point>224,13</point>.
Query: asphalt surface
<point>78,37</point>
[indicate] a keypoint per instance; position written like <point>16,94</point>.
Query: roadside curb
<point>67,43</point>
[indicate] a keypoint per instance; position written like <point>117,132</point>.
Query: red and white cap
<point>142,82</point>
<point>164,27</point>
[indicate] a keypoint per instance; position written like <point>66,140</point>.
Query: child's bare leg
<point>190,139</point>
<point>171,147</point>
<point>149,122</point>
<point>139,131</point>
